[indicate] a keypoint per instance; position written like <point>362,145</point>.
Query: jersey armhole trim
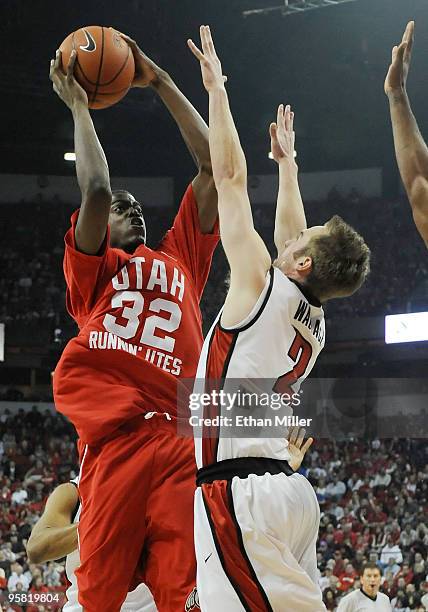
<point>253,317</point>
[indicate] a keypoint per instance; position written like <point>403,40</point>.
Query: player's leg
<point>215,590</point>
<point>113,487</point>
<point>274,517</point>
<point>170,566</point>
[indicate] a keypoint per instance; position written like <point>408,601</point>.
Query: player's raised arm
<point>91,164</point>
<point>410,148</point>
<point>247,255</point>
<point>290,217</point>
<point>54,536</point>
<point>192,127</point>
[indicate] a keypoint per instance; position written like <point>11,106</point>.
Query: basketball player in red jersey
<point>256,522</point>
<point>410,147</point>
<point>140,331</point>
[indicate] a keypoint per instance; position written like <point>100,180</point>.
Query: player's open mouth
<point>137,223</point>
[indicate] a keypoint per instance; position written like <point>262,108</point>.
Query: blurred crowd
<point>372,495</point>
<point>32,287</point>
<point>373,500</point>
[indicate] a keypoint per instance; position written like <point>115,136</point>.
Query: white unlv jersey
<point>279,341</point>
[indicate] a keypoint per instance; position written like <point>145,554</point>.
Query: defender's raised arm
<point>246,252</point>
<point>290,217</point>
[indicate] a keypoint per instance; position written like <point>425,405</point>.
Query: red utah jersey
<point>140,325</point>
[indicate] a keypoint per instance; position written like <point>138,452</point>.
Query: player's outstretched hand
<point>146,71</point>
<point>296,436</point>
<point>396,78</point>
<point>212,74</point>
<point>282,136</point>
<point>65,85</point>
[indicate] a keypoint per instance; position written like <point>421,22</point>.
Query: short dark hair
<point>340,261</point>
<point>372,566</point>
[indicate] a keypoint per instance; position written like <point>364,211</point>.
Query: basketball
<point>104,65</point>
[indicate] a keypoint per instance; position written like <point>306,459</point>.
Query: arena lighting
<point>291,7</point>
<point>410,327</point>
<point>70,156</point>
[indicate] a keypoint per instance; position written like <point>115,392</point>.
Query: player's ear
<point>304,265</point>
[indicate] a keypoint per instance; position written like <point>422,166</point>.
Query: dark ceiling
<point>329,63</point>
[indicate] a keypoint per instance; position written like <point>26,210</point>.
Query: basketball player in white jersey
<point>55,536</point>
<point>256,522</point>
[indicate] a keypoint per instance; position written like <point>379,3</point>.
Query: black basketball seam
<point>107,82</point>
<point>79,67</point>
<point>100,66</point>
<point>112,93</point>
<point>119,71</point>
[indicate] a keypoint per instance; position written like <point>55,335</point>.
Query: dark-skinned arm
<point>410,148</point>
<point>91,164</point>
<point>54,536</point>
<point>191,125</point>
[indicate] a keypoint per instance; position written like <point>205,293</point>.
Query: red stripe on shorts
<point>230,549</point>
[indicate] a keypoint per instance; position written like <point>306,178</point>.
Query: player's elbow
<point>230,180</point>
<point>35,551</point>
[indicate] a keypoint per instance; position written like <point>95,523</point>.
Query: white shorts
<point>255,541</point>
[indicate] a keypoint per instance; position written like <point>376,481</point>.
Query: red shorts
<point>137,494</point>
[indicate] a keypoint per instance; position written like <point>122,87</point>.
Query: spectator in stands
<point>19,496</point>
<point>390,551</point>
<point>17,577</point>
<point>382,479</point>
<point>335,489</point>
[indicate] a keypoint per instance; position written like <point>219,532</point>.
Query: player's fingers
<point>210,41</point>
<point>293,435</point>
<point>300,437</point>
<point>400,52</point>
<point>273,130</point>
<point>194,49</point>
<point>71,62</point>
<point>287,118</point>
<point>307,445</point>
<point>394,53</point>
<point>203,35</point>
<point>57,59</point>
<point>279,114</point>
<point>410,38</point>
<point>132,43</point>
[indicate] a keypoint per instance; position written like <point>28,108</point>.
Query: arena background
<point>329,63</point>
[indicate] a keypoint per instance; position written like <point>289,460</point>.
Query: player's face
<point>127,225</point>
<point>288,261</point>
<point>370,581</point>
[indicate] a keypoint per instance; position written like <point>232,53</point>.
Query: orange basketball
<point>104,65</point>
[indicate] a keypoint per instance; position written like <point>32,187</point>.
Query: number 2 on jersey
<point>300,352</point>
<point>132,314</point>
